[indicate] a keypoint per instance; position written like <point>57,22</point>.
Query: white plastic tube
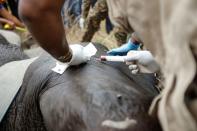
<point>114,58</point>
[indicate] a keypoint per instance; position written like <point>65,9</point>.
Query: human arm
<point>132,44</point>
<point>5,14</point>
<point>124,49</point>
<point>43,19</point>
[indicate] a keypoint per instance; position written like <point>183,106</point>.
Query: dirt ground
<point>75,34</point>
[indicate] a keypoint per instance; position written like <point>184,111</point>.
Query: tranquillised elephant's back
<point>81,98</point>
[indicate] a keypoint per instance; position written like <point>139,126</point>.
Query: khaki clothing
<point>86,4</point>
<point>169,30</point>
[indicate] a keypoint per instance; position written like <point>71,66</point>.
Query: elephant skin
<point>10,52</point>
<point>81,98</point>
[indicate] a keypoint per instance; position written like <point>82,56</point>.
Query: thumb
<point>132,56</point>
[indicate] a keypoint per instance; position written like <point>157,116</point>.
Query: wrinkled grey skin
<point>10,52</point>
<point>81,98</point>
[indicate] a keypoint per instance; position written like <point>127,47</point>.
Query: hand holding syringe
<point>143,58</point>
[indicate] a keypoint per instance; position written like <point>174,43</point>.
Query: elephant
<point>10,52</point>
<point>81,98</point>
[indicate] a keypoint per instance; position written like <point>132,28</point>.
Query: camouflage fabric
<point>96,15</point>
<point>169,30</point>
<point>86,4</point>
<point>120,36</point>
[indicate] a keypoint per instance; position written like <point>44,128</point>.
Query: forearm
<point>45,24</point>
<point>49,32</point>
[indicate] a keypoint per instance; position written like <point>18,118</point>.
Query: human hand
<point>141,61</point>
<point>124,49</point>
<point>82,23</point>
<point>77,58</point>
<point>78,55</point>
<point>9,25</point>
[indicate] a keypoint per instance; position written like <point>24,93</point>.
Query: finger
<point>133,67</point>
<point>129,63</point>
<point>136,71</point>
<point>143,69</point>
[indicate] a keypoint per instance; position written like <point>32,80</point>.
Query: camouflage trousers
<point>120,36</point>
<point>96,15</point>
